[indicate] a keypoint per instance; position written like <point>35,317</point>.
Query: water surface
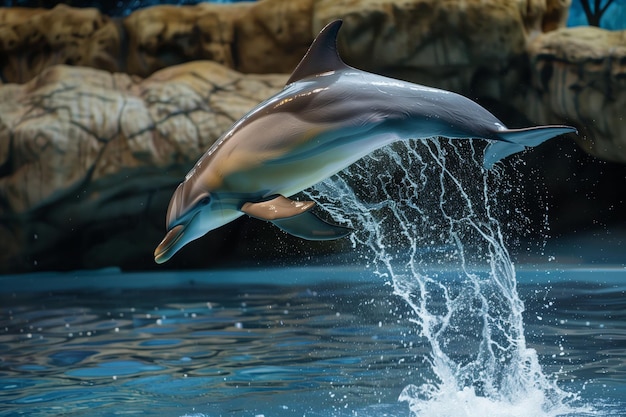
<point>324,341</point>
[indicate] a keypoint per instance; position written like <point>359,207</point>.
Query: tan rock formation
<point>32,40</point>
<point>579,75</point>
<point>413,39</point>
<point>274,35</point>
<point>555,14</point>
<point>469,46</point>
<point>262,37</point>
<point>268,36</point>
<point>162,36</point>
<point>83,147</point>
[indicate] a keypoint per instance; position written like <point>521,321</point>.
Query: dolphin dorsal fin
<point>322,55</point>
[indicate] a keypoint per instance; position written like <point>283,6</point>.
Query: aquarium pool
<point>319,341</point>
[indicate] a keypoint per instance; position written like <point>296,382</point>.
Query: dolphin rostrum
<point>328,116</point>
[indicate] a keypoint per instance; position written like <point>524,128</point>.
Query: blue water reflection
<point>328,341</point>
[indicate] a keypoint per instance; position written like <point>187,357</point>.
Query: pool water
<point>319,341</point>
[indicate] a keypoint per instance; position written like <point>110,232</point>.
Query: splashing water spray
<point>426,214</point>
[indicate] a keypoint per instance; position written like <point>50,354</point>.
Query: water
<point>431,318</point>
<point>449,205</point>
<point>322,341</point>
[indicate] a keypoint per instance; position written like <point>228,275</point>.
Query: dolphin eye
<point>204,201</point>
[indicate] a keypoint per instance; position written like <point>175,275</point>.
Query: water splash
<point>426,215</point>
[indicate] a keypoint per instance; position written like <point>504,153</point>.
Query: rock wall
<point>89,157</point>
<point>256,37</point>
<point>474,47</point>
<point>32,40</point>
<point>270,36</point>
<point>579,75</point>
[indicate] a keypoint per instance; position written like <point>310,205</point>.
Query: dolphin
<point>328,116</point>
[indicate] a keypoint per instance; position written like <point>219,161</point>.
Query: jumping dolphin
<point>328,116</point>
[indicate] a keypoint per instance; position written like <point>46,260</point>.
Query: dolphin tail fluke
<point>516,140</point>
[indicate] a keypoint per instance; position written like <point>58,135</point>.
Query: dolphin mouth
<point>165,251</point>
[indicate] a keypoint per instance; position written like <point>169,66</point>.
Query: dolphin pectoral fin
<point>295,218</point>
<point>276,208</point>
<point>308,226</point>
<point>516,140</point>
